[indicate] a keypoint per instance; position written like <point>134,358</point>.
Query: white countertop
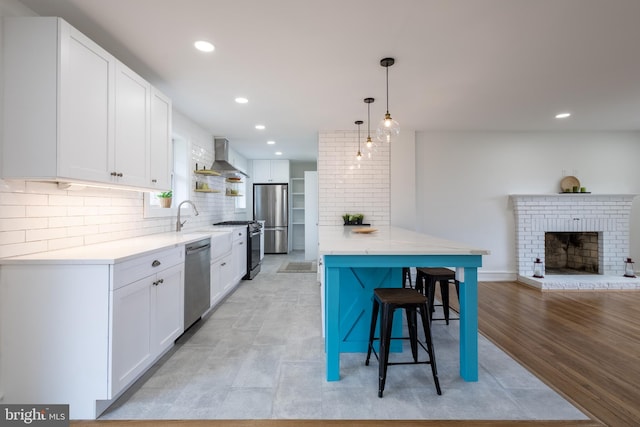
<point>115,251</point>
<point>340,240</point>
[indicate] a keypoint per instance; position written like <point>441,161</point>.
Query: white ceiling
<point>306,66</point>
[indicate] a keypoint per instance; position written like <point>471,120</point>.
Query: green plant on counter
<point>166,195</point>
<point>357,218</point>
<point>346,218</point>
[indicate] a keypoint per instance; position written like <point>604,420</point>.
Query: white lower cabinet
<point>131,339</point>
<point>147,317</point>
<point>221,278</point>
<point>79,333</point>
<point>228,262</point>
<point>239,254</point>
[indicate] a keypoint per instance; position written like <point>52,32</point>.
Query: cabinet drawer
<point>145,265</point>
<point>239,234</point>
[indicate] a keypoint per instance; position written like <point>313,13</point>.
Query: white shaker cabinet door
<point>280,171</point>
<point>261,171</point>
<point>239,254</point>
<point>167,308</point>
<point>86,107</point>
<point>161,150</point>
<point>132,134</point>
<point>131,333</point>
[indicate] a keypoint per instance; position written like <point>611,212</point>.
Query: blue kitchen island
<point>356,263</point>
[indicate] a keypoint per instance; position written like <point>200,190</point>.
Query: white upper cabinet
<point>86,97</point>
<point>161,157</point>
<point>73,112</point>
<point>271,171</point>
<point>133,101</point>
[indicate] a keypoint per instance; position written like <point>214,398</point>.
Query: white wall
<point>403,180</point>
<point>463,180</point>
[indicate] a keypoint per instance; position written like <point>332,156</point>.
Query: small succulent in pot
<point>165,198</point>
<point>346,217</point>
<point>358,218</point>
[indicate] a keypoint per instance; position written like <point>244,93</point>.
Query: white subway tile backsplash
<point>23,199</point>
<point>64,200</point>
<point>22,248</point>
<point>45,211</point>
<point>45,234</point>
<point>12,211</point>
<point>9,224</point>
<point>9,237</point>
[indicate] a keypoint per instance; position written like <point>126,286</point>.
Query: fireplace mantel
<point>607,214</point>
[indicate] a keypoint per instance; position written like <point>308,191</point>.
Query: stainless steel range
<point>253,245</point>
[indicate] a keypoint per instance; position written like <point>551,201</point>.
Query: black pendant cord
<point>368,101</point>
<point>387,68</point>
<point>368,121</point>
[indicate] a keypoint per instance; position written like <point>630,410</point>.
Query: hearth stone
<point>577,282</point>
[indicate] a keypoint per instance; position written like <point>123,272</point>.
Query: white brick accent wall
<point>607,214</point>
<point>348,186</point>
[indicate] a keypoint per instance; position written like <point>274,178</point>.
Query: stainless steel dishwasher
<point>197,279</point>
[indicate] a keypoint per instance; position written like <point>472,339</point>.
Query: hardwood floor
<point>585,345</point>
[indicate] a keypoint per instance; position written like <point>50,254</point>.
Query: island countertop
<point>387,240</point>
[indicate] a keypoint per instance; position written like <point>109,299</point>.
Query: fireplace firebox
<point>571,253</point>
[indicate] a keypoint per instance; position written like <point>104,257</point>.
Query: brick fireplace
<point>605,215</point>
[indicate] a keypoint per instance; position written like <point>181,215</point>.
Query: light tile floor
<point>260,355</point>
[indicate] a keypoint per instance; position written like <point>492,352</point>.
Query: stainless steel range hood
<point>221,158</point>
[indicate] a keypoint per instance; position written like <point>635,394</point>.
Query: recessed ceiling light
<point>278,153</point>
<point>241,100</point>
<point>563,115</point>
<point>204,46</point>
<point>271,142</point>
<point>260,127</point>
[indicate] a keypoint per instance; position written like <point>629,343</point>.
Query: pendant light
<point>368,101</point>
<point>359,155</point>
<point>388,128</point>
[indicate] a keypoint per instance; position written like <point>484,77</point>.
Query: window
<point>241,201</point>
<point>180,182</point>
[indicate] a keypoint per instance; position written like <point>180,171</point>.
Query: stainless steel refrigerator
<point>271,205</point>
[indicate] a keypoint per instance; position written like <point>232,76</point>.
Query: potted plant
<point>165,199</point>
<point>358,218</point>
<point>346,218</point>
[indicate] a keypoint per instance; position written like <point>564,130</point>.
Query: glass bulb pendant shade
<point>369,142</point>
<point>388,129</point>
<point>359,155</point>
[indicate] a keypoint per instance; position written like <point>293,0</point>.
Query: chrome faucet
<point>180,224</point>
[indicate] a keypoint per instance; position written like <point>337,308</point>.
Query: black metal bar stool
<point>426,279</point>
<point>387,300</point>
